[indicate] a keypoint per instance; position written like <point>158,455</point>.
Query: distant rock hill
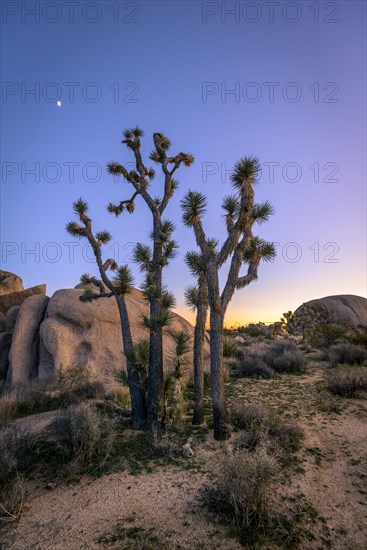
<point>347,309</point>
<point>41,335</point>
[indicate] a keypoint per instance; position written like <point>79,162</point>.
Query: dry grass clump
<point>260,425</point>
<point>347,381</point>
<point>14,449</point>
<point>242,487</point>
<point>346,353</point>
<point>86,438</point>
<point>8,409</point>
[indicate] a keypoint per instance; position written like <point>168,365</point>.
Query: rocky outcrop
<point>17,298</point>
<point>11,318</point>
<point>9,283</point>
<point>276,329</point>
<point>2,323</point>
<point>24,352</point>
<point>88,335</point>
<point>346,309</point>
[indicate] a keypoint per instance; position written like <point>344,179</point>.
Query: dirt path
<point>163,504</point>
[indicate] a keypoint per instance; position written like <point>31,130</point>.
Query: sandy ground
<point>166,502</point>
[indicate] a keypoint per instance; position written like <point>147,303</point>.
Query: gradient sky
<point>149,64</point>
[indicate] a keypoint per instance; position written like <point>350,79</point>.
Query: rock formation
<point>346,309</point>
<point>40,336</point>
<point>24,352</point>
<point>17,298</point>
<point>9,282</point>
<point>88,335</point>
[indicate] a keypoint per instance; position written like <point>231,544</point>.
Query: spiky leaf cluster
<point>103,237</point>
<point>123,281</point>
<point>75,230</point>
<point>246,169</point>
<point>194,207</point>
<point>192,297</point>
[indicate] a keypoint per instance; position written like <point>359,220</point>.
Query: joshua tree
<point>241,247</point>
<point>197,299</point>
<point>152,262</point>
<point>174,386</point>
<point>118,287</point>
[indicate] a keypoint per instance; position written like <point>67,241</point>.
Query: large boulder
<point>9,282</point>
<point>88,335</point>
<point>24,351</point>
<point>17,298</point>
<point>346,309</point>
<point>2,323</point>
<point>11,318</point>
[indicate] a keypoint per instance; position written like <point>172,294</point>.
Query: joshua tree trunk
<point>221,427</point>
<point>240,247</point>
<point>199,340</point>
<point>121,285</point>
<point>136,391</point>
<point>156,380</point>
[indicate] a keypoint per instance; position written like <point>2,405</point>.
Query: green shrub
<point>346,353</point>
<point>359,337</point>
<point>229,347</point>
<point>347,381</point>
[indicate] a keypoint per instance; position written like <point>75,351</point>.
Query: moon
<point>59,103</point>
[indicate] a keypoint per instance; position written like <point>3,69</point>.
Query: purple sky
<point>282,81</point>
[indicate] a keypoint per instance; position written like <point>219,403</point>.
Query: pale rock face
<point>344,308</point>
<point>88,334</point>
<point>24,352</point>
<point>9,282</point>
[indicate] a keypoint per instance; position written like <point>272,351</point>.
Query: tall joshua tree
<point>196,297</point>
<point>239,247</point>
<point>164,247</point>
<point>117,288</point>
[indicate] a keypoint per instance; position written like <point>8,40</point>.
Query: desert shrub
<point>229,347</point>
<point>289,361</point>
<point>242,487</point>
<point>70,378</point>
<point>346,353</point>
<point>359,337</point>
<point>120,395</point>
<point>347,381</point>
<point>11,499</point>
<point>255,367</point>
<point>327,333</point>
<point>262,426</point>
<point>8,409</point>
<point>249,416</point>
<point>14,448</point>
<point>86,438</point>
